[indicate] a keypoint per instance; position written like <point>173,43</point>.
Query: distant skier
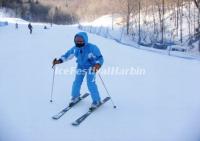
<point>16,25</point>
<point>89,61</point>
<point>30,27</point>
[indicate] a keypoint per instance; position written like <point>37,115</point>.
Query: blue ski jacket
<point>87,56</point>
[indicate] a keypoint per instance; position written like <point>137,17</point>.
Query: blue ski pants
<point>91,83</point>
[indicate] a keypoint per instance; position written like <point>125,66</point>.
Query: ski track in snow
<point>162,105</point>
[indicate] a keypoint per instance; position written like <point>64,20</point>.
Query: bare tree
<point>197,3</point>
<point>163,18</point>
<point>181,22</point>
<point>139,31</point>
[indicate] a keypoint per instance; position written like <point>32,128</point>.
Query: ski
<point>61,113</point>
<point>84,116</point>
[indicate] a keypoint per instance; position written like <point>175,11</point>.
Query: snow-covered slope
<point>13,20</point>
<point>114,26</point>
<point>6,12</point>
<point>7,15</point>
<point>160,105</point>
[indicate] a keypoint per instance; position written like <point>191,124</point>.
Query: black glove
<point>55,61</point>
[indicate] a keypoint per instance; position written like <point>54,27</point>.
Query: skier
<point>89,61</point>
<point>30,27</point>
<point>16,25</point>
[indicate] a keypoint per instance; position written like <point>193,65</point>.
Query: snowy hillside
<point>160,104</point>
<point>180,37</point>
<point>6,12</point>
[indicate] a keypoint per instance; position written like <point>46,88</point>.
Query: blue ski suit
<point>87,56</point>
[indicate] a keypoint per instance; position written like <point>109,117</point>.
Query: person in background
<point>30,27</point>
<point>16,25</point>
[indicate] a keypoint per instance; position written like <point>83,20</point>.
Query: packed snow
<point>159,104</point>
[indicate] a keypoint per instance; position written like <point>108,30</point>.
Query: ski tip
<point>106,99</point>
<point>54,118</point>
<point>75,124</point>
<point>85,95</point>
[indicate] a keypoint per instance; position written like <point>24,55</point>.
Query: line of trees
<point>165,21</point>
<point>155,14</point>
<point>81,10</point>
<point>34,10</point>
<point>137,14</point>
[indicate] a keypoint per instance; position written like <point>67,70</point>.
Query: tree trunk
<point>154,20</point>
<point>189,19</point>
<point>199,27</point>
<point>163,18</point>
<point>197,3</point>
<point>160,17</point>
<point>128,17</point>
<point>177,16</point>
<point>181,22</point>
<point>139,39</point>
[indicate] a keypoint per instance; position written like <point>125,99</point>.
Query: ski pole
<point>52,86</point>
<point>114,106</point>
